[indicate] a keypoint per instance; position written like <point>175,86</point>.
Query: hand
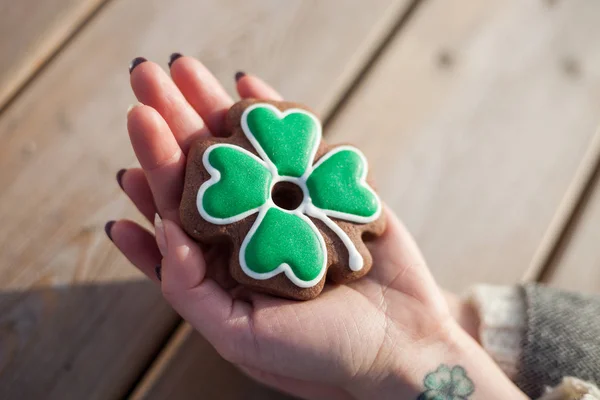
<point>379,335</point>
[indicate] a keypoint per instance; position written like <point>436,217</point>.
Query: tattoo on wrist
<point>447,383</point>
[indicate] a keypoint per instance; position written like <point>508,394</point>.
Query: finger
<point>203,91</point>
<point>200,300</point>
<point>137,245</point>
<point>135,185</point>
<point>153,87</point>
<point>249,86</point>
<point>399,264</point>
<point>160,156</point>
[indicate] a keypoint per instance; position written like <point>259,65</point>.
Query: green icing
<point>244,184</point>
<point>288,142</point>
<point>285,238</point>
<point>335,185</point>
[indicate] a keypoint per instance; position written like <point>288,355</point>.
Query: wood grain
<point>77,320</point>
<point>31,32</point>
<point>475,121</point>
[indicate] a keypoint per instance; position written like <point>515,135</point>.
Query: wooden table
<point>478,116</point>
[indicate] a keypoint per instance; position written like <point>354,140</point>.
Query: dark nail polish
<point>174,57</point>
<point>239,75</point>
<point>120,177</point>
<point>108,227</point>
<point>135,62</point>
<point>158,271</point>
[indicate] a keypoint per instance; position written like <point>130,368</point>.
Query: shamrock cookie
<point>293,209</point>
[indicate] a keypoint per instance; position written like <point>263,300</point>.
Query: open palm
<point>323,348</point>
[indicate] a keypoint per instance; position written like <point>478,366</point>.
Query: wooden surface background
<point>478,116</point>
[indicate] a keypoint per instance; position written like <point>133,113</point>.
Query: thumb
<point>198,299</point>
<point>183,262</point>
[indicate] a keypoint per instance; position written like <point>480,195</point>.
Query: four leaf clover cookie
<point>294,210</point>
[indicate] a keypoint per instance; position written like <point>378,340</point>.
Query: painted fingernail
<point>120,177</point>
<point>159,233</point>
<point>158,272</point>
<point>135,62</point>
<point>107,229</point>
<point>174,57</point>
<point>239,75</point>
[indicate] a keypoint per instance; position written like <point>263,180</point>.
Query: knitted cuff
<point>572,389</point>
<point>502,316</point>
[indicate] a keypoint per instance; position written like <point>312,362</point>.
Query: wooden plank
<point>32,31</point>
<point>576,262</point>
<point>80,322</point>
<point>475,119</point>
<point>482,112</point>
<point>578,266</point>
<point>208,378</point>
<point>567,215</point>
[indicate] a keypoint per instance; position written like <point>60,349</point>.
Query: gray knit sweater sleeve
<point>562,338</point>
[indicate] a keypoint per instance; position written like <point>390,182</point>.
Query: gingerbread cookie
<point>294,209</point>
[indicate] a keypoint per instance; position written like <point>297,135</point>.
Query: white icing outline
<point>355,259</point>
<point>280,115</point>
<point>284,267</point>
<point>305,209</point>
<point>362,180</point>
<point>215,176</point>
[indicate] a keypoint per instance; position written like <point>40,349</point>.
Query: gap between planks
<point>53,47</point>
<point>177,338</point>
<point>556,237</point>
<point>367,56</point>
<point>365,59</point>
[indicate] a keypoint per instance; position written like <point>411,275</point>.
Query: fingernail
<point>107,229</point>
<point>135,62</point>
<point>159,233</point>
<point>120,177</point>
<point>174,57</point>
<point>158,271</point>
<point>239,75</point>
<point>132,106</point>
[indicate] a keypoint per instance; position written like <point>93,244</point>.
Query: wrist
<point>464,313</point>
<point>452,361</point>
<point>401,364</point>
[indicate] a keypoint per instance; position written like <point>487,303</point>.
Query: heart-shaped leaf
<point>337,184</point>
<point>288,139</point>
<point>284,241</point>
<point>439,378</point>
<point>463,386</point>
<point>240,183</point>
